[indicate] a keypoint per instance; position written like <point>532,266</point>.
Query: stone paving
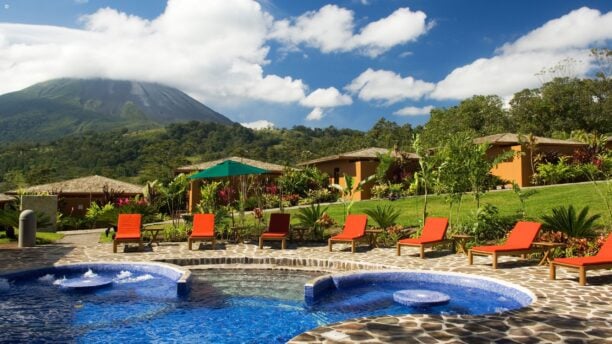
<point>564,311</point>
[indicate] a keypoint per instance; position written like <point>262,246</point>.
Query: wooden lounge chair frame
<point>496,254</point>
<point>423,246</point>
<point>275,218</point>
<point>353,218</point>
<point>582,269</point>
<point>117,241</point>
<point>203,238</point>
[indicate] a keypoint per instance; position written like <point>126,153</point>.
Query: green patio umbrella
<point>228,168</point>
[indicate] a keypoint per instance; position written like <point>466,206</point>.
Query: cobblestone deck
<point>564,311</point>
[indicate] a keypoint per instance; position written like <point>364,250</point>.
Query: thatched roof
<point>366,153</point>
<point>508,139</point>
<point>271,168</point>
<point>84,185</point>
<point>6,198</point>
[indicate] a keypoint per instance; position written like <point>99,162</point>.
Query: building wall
<point>519,169</point>
<point>359,170</point>
<point>42,204</point>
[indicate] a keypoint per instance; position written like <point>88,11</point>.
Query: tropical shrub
<point>390,235</point>
<point>299,182</point>
<point>178,232</point>
<point>486,224</point>
<point>384,216</point>
<point>555,173</point>
<point>567,221</point>
<point>9,217</point>
<point>97,213</point>
<point>380,191</point>
<point>310,218</point>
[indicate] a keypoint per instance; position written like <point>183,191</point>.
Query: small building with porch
<point>359,164</point>
<point>519,169</point>
<point>75,195</point>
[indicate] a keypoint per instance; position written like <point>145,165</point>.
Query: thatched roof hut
<point>509,139</point>
<point>85,185</point>
<point>271,168</point>
<point>371,153</point>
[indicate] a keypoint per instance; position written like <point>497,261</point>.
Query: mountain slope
<point>61,107</point>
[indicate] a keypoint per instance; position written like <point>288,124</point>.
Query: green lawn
<point>41,238</point>
<point>506,201</point>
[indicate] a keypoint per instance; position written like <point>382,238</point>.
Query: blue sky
<point>314,63</point>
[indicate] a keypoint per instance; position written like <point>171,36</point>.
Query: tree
<point>478,115</point>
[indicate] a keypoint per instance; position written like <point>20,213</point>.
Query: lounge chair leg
<point>470,258</point>
<point>422,253</point>
<point>553,271</point>
<point>582,276</point>
<point>141,246</point>
<point>353,246</point>
<point>399,249</point>
<point>189,244</point>
<point>329,243</point>
<point>114,246</point>
<point>214,244</point>
<point>260,243</point>
<point>283,244</point>
<point>494,260</point>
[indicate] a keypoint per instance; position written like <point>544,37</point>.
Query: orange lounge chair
<point>433,234</point>
<point>602,260</point>
<point>203,229</point>
<point>519,242</point>
<point>278,229</point>
<point>128,230</point>
<point>354,229</point>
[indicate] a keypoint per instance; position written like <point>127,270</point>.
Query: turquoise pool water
<point>224,306</point>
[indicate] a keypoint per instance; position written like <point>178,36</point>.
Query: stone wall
<point>42,204</point>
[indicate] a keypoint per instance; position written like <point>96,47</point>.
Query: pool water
<point>224,306</point>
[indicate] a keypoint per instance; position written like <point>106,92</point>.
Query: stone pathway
<point>564,312</point>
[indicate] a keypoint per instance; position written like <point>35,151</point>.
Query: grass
<point>42,238</point>
<point>506,201</point>
<point>411,209</point>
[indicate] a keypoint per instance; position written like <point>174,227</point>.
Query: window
<point>336,175</point>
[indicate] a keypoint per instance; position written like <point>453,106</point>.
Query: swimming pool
<point>223,306</point>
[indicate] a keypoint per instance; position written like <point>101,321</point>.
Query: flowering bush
<point>293,199</point>
<point>575,247</point>
<point>325,221</point>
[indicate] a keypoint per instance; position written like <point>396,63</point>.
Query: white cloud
<point>213,50</point>
<point>414,111</point>
<point>326,97</point>
<point>382,85</point>
<point>575,30</point>
<point>258,125</point>
<point>315,115</point>
<point>331,29</point>
<point>516,64</point>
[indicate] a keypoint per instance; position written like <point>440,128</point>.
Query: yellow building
<point>358,164</point>
<point>519,169</point>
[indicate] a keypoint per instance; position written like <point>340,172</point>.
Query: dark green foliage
<point>565,220</point>
<point>487,224</point>
<point>9,217</point>
<point>384,216</point>
<point>309,217</point>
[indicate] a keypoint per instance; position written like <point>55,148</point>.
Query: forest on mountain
<point>555,109</point>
